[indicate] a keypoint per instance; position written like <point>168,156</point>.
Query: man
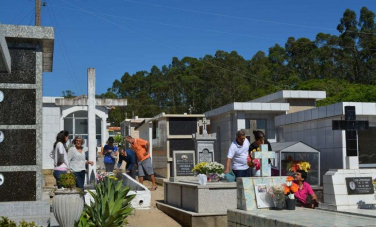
<point>129,157</point>
<point>141,148</point>
<point>304,190</point>
<point>237,155</point>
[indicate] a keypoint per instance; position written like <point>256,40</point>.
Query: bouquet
<point>208,167</point>
<point>253,162</point>
<point>200,168</point>
<point>293,166</point>
<point>278,195</point>
<point>290,188</point>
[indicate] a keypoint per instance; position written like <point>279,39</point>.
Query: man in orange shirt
<point>141,148</point>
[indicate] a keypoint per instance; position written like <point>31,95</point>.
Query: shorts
<point>145,166</point>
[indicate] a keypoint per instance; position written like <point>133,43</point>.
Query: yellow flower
<point>304,166</point>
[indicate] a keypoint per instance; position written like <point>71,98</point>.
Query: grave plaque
<point>359,185</point>
<point>184,162</point>
<point>205,156</point>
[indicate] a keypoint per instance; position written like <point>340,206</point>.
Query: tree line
<point>343,65</point>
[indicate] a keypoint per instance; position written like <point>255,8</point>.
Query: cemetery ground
<point>138,218</point>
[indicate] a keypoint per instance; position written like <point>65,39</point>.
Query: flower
<point>254,162</point>
<point>290,188</point>
<point>293,166</point>
<point>208,167</point>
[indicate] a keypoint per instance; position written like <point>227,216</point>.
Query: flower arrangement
<point>278,195</point>
<point>208,167</point>
<point>290,188</point>
<point>254,162</point>
<point>293,166</point>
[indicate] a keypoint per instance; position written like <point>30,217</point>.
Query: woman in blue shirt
<point>110,152</point>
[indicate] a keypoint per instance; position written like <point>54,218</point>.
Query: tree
<point>68,94</point>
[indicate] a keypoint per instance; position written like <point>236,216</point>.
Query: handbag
<point>230,176</point>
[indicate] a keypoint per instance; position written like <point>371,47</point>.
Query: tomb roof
<point>282,96</point>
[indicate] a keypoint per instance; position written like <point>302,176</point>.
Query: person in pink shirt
<point>304,190</point>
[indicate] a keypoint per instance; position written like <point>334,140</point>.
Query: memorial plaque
<point>18,107</point>
<point>359,185</point>
<point>18,186</point>
<point>205,156</point>
<point>18,147</point>
<point>184,162</point>
<point>23,67</point>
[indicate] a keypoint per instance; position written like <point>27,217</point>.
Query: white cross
<point>264,155</point>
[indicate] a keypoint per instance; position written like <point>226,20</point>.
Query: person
<point>77,161</point>
<point>141,149</point>
<point>59,155</point>
<point>304,190</point>
<point>256,145</point>
<point>129,157</point>
<point>237,155</point>
<point>109,152</point>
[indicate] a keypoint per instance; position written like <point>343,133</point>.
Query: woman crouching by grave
<point>59,155</point>
<point>304,189</point>
<point>237,156</point>
<point>110,153</point>
<point>254,164</point>
<point>77,161</point>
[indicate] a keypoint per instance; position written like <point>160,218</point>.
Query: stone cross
<point>351,125</point>
<point>203,123</point>
<point>264,155</point>
<point>91,102</point>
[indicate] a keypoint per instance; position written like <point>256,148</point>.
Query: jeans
<point>57,174</point>
<point>80,179</point>
<point>109,167</point>
<point>242,173</point>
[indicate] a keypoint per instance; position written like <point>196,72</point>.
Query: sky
<point>119,36</point>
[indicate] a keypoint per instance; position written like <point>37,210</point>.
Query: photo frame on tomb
<point>263,198</point>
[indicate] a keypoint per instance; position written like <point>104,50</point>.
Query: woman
<point>77,161</point>
<point>256,146</point>
<point>59,155</point>
<point>109,152</point>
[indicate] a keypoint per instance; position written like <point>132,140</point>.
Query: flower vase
<point>212,177</point>
<point>290,204</point>
<point>279,201</point>
<point>67,206</point>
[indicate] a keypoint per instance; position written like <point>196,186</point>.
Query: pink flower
<point>256,162</point>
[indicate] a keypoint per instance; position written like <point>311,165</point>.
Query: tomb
<point>31,53</point>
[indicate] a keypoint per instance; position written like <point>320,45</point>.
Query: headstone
<point>204,144</point>
<point>264,155</point>
<point>31,50</point>
<point>184,162</point>
<point>344,189</point>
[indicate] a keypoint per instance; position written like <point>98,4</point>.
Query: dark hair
<point>258,135</point>
<point>66,133</point>
<point>303,173</point>
<point>240,133</point>
<point>111,139</point>
<point>60,138</point>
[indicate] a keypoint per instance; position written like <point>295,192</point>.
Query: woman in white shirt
<point>60,156</point>
<point>77,161</point>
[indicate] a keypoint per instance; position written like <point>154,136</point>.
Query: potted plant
<point>290,189</point>
<point>68,202</point>
<point>214,171</point>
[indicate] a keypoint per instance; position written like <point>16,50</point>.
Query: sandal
<point>153,189</point>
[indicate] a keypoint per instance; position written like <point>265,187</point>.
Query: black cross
<point>351,125</point>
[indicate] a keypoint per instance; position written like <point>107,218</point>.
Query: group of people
<point>239,154</point>
<point>76,159</point>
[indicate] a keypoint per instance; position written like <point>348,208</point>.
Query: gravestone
<point>344,189</point>
<point>204,143</point>
<point>31,50</point>
<point>264,155</point>
<point>184,162</point>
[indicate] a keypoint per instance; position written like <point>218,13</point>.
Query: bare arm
<point>147,146</point>
<point>228,163</point>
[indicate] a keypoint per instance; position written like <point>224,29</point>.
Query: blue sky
<point>118,36</point>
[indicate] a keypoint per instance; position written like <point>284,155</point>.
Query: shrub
<point>111,205</point>
<point>6,222</point>
<point>68,180</point>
